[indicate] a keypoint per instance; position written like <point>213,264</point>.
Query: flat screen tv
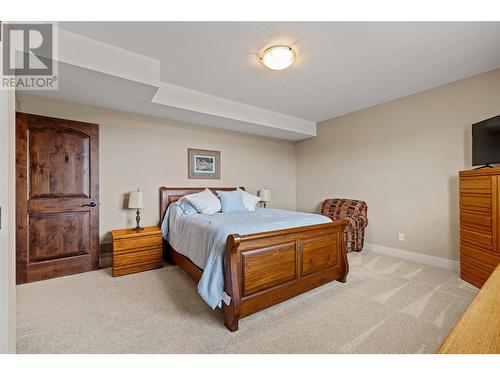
<point>486,142</point>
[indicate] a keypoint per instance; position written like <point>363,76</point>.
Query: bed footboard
<point>264,269</point>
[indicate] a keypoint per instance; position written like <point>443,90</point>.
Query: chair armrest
<point>360,221</point>
<point>356,221</point>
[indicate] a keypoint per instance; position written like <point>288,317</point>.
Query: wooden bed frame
<point>263,269</point>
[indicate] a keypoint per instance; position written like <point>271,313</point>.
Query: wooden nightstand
<point>136,251</point>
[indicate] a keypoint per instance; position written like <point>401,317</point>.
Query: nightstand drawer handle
<point>91,204</point>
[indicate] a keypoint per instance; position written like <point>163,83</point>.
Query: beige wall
<point>402,158</point>
<point>140,151</point>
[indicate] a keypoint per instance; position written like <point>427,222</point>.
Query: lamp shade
<point>265,195</point>
<point>136,199</point>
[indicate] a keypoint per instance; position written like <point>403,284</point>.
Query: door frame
<point>8,223</point>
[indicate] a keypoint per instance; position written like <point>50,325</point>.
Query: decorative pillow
<point>231,201</point>
<point>249,200</point>
<point>186,207</point>
<point>205,202</point>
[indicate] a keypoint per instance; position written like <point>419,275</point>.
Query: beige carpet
<point>386,306</point>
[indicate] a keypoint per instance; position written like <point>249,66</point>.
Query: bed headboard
<point>172,195</point>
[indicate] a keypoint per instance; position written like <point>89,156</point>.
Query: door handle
<point>91,204</point>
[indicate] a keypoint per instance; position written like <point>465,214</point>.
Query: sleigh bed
<point>263,269</point>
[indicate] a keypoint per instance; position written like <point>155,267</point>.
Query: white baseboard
<point>430,260</point>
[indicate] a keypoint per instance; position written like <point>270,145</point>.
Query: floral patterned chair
<point>355,212</point>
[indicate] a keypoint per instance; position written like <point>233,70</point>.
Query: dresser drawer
<point>486,260</point>
<point>476,265</point>
<point>136,243</point>
<point>133,258</point>
<point>482,221</point>
<point>475,202</point>
<point>481,184</point>
<point>476,238</point>
<point>472,274</point>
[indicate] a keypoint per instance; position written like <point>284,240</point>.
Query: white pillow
<point>205,202</point>
<point>249,200</point>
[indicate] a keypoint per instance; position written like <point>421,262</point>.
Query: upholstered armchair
<point>355,212</point>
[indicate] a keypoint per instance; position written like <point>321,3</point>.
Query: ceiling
<point>341,67</point>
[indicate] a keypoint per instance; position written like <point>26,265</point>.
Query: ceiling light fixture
<point>278,57</point>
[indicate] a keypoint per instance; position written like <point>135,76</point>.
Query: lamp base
<point>138,228</point>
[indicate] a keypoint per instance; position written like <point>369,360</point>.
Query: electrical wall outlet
<point>401,237</point>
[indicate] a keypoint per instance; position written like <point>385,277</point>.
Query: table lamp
<point>136,201</point>
<point>265,196</point>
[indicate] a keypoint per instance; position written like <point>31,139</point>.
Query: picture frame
<point>203,164</point>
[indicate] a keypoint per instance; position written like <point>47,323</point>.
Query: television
<point>486,142</point>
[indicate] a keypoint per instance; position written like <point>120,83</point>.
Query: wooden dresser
<point>479,224</point>
<point>136,251</point>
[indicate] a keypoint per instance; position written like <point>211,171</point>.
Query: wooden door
<point>57,203</point>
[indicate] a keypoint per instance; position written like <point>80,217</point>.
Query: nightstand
<point>135,251</point>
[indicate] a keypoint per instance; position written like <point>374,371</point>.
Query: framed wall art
<point>203,164</point>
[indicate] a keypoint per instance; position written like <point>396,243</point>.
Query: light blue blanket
<point>202,238</point>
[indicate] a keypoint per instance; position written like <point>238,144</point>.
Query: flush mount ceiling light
<point>278,57</point>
